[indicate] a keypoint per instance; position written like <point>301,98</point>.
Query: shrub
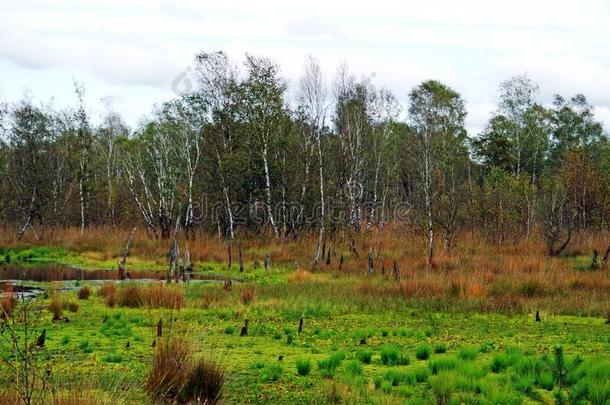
<point>364,355</point>
<point>56,307</point>
<point>84,293</point>
<point>329,365</point>
<point>229,330</point>
<point>423,352</point>
<point>303,366</point>
<point>204,383</point>
<point>248,295</point>
<point>170,370</point>
<point>391,356</point>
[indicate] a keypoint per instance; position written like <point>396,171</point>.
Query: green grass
<point>423,352</point>
<point>463,356</point>
<point>303,366</point>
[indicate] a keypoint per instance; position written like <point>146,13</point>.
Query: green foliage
<point>391,356</point>
<point>303,366</point>
<point>328,366</point>
<point>352,368</point>
<point>364,355</point>
<point>423,352</point>
<point>468,353</point>
<point>440,348</point>
<point>270,373</point>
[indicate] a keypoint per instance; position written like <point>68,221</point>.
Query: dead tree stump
<point>396,270</point>
<point>606,254</point>
<point>301,325</point>
<point>341,263</point>
<point>330,249</point>
<point>538,316</point>
<point>594,263</point>
<point>241,262</point>
<point>267,260</point>
<point>123,263</point>
<point>371,262</point>
<point>42,338</point>
<point>230,256</point>
<point>244,329</point>
<point>160,328</point>
<point>227,284</point>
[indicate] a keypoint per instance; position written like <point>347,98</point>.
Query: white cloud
<point>134,50</point>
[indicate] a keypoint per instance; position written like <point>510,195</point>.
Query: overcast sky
<point>133,51</point>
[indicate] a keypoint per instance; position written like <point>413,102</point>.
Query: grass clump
<point>443,386</point>
<point>440,348</point>
<point>271,372</point>
<point>391,356</point>
<point>353,368</point>
<point>328,366</point>
<point>56,307</point>
<point>176,378</point>
<point>84,293</point>
<point>445,364</point>
<point>204,383</point>
<point>423,352</point>
<point>364,355</point>
<point>468,353</point>
<point>303,366</point>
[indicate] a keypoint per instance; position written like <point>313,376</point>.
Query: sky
<point>138,53</point>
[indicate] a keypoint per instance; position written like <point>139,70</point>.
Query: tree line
<point>237,154</point>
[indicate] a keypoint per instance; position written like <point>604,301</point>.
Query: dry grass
<point>56,307</point>
<point>170,368</point>
<point>513,276</point>
<point>151,296</point>
<point>247,294</point>
<point>84,293</point>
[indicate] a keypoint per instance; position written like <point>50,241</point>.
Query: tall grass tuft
<point>84,293</point>
<point>204,383</point>
<point>170,370</point>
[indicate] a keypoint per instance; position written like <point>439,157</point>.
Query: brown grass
<point>170,368</point>
<point>56,307</point>
<point>476,273</point>
<point>106,290</point>
<point>247,294</point>
<point>84,293</point>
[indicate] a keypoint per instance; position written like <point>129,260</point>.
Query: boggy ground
<point>463,332</point>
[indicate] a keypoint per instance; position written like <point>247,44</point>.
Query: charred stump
<point>244,329</point>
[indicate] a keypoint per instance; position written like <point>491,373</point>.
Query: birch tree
<point>313,104</point>
<point>351,122</point>
<point>219,87</point>
<point>436,114</point>
<point>263,111</point>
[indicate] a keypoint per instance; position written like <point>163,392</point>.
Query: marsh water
<point>22,279</point>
